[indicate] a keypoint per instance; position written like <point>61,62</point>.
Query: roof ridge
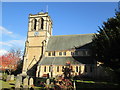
<point>74,34</point>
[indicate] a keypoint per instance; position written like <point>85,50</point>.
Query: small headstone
<point>12,78</point>
<point>31,82</point>
<point>48,81</point>
<point>74,85</point>
<point>0,76</point>
<point>19,77</point>
<point>17,84</point>
<point>25,83</point>
<point>8,78</point>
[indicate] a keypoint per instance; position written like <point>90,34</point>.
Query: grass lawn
<point>11,84</point>
<point>93,84</point>
<point>6,84</point>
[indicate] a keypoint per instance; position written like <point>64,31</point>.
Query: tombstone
<point>25,83</point>
<point>8,78</point>
<point>48,81</point>
<point>12,78</point>
<point>17,84</point>
<point>31,82</point>
<point>19,77</point>
<point>0,75</point>
<point>74,85</point>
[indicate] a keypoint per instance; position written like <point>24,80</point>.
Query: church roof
<point>63,60</point>
<point>65,42</point>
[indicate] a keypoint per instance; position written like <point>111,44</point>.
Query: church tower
<point>39,30</point>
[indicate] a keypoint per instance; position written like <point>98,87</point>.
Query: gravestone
<point>8,78</point>
<point>0,75</point>
<point>17,84</point>
<point>31,82</point>
<point>19,77</point>
<point>48,81</point>
<point>25,83</point>
<point>74,85</point>
<point>12,78</point>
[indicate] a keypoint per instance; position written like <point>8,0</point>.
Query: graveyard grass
<point>80,84</point>
<point>7,84</point>
<point>10,84</point>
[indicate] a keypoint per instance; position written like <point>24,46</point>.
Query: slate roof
<point>63,60</point>
<point>65,42</point>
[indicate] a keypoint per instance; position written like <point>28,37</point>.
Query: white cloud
<point>3,51</point>
<point>13,40</point>
<point>13,43</point>
<point>17,42</point>
<point>5,43</point>
<point>5,31</point>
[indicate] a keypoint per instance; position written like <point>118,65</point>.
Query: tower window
<point>42,23</point>
<point>35,23</point>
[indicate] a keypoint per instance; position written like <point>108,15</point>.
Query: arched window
<point>35,23</point>
<point>45,69</point>
<point>49,68</point>
<point>57,68</point>
<point>60,53</point>
<point>49,53</point>
<point>64,53</point>
<point>79,68</point>
<point>76,68</point>
<point>42,23</point>
<point>72,53</point>
<point>53,53</point>
<point>62,68</point>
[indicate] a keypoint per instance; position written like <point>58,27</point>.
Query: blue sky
<point>68,18</point>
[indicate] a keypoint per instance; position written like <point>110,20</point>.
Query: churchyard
<point>12,82</point>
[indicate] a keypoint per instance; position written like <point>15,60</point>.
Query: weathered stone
<point>31,82</point>
<point>17,84</point>
<point>48,81</point>
<point>12,78</point>
<point>25,83</point>
<point>8,78</point>
<point>19,77</point>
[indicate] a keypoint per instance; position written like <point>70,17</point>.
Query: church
<point>48,54</point>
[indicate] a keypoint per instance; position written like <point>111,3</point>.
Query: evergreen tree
<point>106,43</point>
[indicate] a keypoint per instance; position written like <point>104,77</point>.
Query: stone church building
<point>48,54</point>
